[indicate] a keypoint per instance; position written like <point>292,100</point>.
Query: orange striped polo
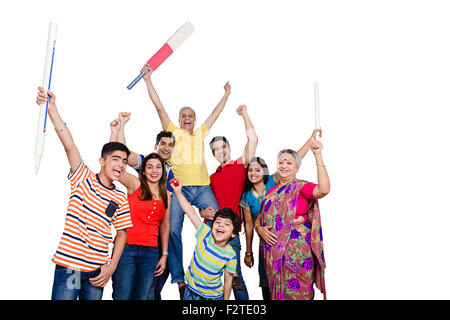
<point>91,211</point>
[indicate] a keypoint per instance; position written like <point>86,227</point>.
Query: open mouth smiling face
<point>255,172</point>
<point>287,168</point>
<point>115,164</point>
<point>187,119</point>
<point>221,151</point>
<point>153,170</point>
<point>222,230</point>
<point>165,148</point>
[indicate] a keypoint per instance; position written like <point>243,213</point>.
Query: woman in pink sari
<point>289,223</point>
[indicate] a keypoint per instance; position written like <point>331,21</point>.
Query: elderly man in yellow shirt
<point>188,163</point>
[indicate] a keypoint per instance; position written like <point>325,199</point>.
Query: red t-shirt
<point>146,217</point>
<point>306,193</point>
<point>227,184</point>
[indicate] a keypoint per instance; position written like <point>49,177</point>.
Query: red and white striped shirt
<point>92,209</point>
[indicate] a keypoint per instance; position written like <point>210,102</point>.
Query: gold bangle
<point>248,254</point>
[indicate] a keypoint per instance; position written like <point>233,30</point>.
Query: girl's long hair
<point>145,190</point>
<point>248,185</point>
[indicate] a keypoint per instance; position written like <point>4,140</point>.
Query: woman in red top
<point>149,203</point>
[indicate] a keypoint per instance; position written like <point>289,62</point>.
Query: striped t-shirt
<point>208,263</point>
<point>92,209</point>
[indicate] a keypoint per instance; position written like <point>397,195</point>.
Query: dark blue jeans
<point>191,295</point>
<point>133,277</point>
<point>262,276</point>
<point>235,243</point>
<point>69,284</point>
<point>158,284</point>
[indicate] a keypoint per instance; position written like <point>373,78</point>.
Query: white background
<point>383,69</point>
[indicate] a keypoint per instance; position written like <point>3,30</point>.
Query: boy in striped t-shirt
<point>212,255</point>
<point>83,266</point>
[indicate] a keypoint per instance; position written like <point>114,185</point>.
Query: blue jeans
<point>134,273</point>
<point>263,276</point>
<point>69,284</point>
<point>157,285</point>
<point>200,197</point>
<point>158,282</point>
<point>191,295</point>
<point>235,243</point>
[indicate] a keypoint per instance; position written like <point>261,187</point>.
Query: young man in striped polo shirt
<point>83,265</point>
<point>213,256</point>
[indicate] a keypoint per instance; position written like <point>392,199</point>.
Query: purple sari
<point>296,261</point>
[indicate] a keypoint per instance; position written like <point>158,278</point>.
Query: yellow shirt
<point>188,156</point>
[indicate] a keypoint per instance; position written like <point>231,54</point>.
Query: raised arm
<point>118,135</point>
<point>118,128</point>
<point>162,113</point>
<point>185,205</point>
<point>305,148</point>
<point>219,108</point>
<point>130,182</point>
<point>63,132</point>
<point>252,137</point>
<point>323,184</point>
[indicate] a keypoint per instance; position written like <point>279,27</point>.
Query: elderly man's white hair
<point>184,108</point>
<point>298,160</point>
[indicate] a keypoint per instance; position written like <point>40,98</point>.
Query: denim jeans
<point>235,243</point>
<point>200,197</point>
<point>263,276</point>
<point>69,284</point>
<point>134,273</point>
<point>158,282</point>
<point>191,295</point>
<point>157,285</point>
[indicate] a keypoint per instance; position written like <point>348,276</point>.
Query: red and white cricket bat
<point>166,50</point>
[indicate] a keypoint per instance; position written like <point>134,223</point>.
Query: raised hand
<point>227,88</point>
<point>241,110</point>
<point>316,146</point>
<point>314,134</point>
<point>43,96</point>
<point>146,69</point>
<point>115,126</point>
<point>124,117</point>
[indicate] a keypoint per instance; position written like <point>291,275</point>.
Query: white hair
<point>181,110</point>
<point>298,160</point>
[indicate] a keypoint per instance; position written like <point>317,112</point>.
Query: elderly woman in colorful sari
<point>289,223</point>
